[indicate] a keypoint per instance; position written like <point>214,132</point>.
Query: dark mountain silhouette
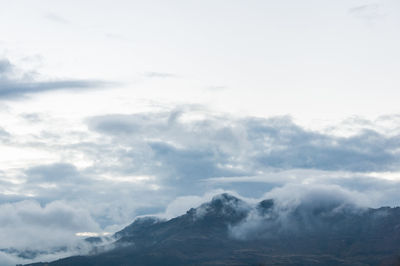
<point>229,231</point>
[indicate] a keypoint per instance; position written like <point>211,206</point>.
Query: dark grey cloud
<point>5,67</point>
<point>190,164</point>
<point>366,152</point>
<point>13,85</point>
<point>287,146</point>
<point>160,144</point>
<point>53,173</point>
<point>12,89</point>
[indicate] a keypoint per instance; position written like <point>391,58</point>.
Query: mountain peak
<point>265,206</point>
<point>224,199</point>
<point>224,207</point>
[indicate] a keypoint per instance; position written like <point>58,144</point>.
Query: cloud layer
<point>223,146</point>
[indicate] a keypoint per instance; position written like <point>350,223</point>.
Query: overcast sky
<point>114,109</point>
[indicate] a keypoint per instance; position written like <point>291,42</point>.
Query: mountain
<point>229,231</point>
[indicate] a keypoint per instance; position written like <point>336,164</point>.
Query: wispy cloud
<point>56,18</point>
<point>159,75</point>
<point>14,84</point>
<point>368,12</point>
<point>217,88</point>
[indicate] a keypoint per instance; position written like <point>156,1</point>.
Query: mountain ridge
<point>229,231</point>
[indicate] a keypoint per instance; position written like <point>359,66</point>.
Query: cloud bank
<point>221,146</point>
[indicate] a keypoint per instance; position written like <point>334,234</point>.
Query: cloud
<point>56,18</point>
<point>298,210</point>
<point>157,156</point>
<point>32,117</point>
<point>188,164</point>
<point>316,195</point>
<point>54,216</point>
<point>368,151</point>
<point>56,173</point>
<point>28,229</point>
<point>115,36</point>
<point>187,152</point>
<point>217,88</point>
<point>7,259</point>
<point>369,12</point>
<point>159,75</point>
<point>17,84</point>
<point>4,133</point>
<point>223,146</point>
<point>182,204</point>
<point>111,200</point>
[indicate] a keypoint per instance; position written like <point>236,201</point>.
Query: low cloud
<point>27,224</point>
<point>181,205</point>
<point>314,196</point>
<point>30,231</point>
<point>297,210</point>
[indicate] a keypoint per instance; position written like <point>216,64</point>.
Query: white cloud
<point>27,224</point>
<point>44,232</point>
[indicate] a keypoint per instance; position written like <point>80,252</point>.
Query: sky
<point>111,110</point>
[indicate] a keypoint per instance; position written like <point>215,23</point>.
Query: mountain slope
<point>228,231</point>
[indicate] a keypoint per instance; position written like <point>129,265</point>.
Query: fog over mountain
<point>231,231</point>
